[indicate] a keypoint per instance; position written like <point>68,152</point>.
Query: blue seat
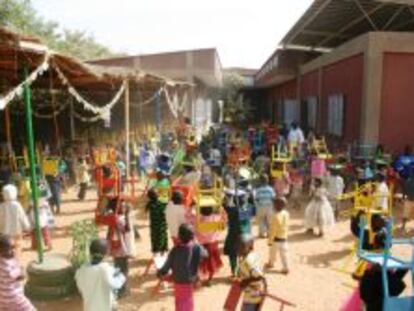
<point>399,304</point>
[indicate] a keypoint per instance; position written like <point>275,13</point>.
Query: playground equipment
<point>50,166</point>
<point>209,198</point>
<point>103,156</point>
<point>111,197</point>
<point>389,262</point>
<point>279,162</point>
<point>363,205</point>
<point>321,148</point>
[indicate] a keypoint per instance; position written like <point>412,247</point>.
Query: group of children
<point>195,255</point>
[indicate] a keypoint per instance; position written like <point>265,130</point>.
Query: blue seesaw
<point>389,262</point>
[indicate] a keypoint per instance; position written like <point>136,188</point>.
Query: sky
<point>245,32</point>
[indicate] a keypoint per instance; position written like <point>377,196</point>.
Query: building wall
<point>344,77</point>
<point>310,84</point>
<point>397,107</point>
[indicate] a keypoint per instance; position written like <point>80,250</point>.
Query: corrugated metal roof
<point>330,23</point>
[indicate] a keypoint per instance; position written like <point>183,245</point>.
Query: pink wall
<point>397,107</point>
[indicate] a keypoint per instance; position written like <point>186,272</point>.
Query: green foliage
<point>83,233</point>
<point>20,16</point>
<point>236,109</point>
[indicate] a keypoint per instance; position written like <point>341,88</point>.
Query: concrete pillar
<point>371,96</point>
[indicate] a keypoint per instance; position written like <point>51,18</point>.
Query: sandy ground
<point>313,284</point>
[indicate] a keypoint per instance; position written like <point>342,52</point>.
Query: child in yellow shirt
<point>278,235</point>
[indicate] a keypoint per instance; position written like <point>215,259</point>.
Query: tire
<point>47,293</point>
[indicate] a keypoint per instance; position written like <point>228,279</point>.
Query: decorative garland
<point>86,105</point>
<point>149,100</point>
<point>18,90</point>
<point>88,120</point>
<point>51,115</point>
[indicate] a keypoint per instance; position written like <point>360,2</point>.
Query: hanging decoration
<point>18,90</point>
<point>51,115</point>
<point>170,103</point>
<point>86,105</point>
<point>88,120</point>
<point>149,100</point>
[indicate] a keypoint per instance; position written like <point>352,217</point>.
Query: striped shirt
<point>12,296</point>
<point>263,197</point>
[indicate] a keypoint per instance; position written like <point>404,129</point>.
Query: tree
<point>236,109</point>
<point>20,16</point>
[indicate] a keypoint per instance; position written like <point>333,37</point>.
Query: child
<point>335,186</point>
<point>98,281</point>
<point>175,215</point>
<point>282,184</point>
<point>11,275</point>
<point>184,260</point>
<point>45,221</point>
<point>382,193</point>
<point>278,235</point>
<point>238,223</point>
<point>263,199</point>
<point>408,210</point>
<point>124,235</point>
<point>318,166</point>
<point>371,287</point>
<point>158,223</point>
<point>319,212</point>
<point>13,220</point>
<point>296,182</point>
<point>206,178</point>
<point>209,240</point>
<point>252,280</point>
<point>83,178</point>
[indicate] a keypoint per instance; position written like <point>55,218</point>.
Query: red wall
<point>309,84</point>
<point>397,107</point>
<point>345,77</point>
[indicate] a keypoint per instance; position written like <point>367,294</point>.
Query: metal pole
<point>32,166</point>
<point>158,111</point>
<point>72,121</point>
<point>127,160</point>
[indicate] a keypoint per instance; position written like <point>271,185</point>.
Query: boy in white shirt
<point>98,280</point>
<point>175,215</point>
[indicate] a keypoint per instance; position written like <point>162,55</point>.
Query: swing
<point>363,201</point>
<point>279,162</point>
<point>110,200</point>
<point>209,198</point>
<point>389,262</point>
<point>321,148</point>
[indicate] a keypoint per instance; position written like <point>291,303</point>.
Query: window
<point>312,111</point>
<point>291,111</point>
<point>336,114</point>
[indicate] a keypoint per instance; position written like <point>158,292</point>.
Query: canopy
<point>329,23</point>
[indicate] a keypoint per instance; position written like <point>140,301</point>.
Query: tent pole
<point>158,112</point>
<point>127,160</point>
<point>72,121</point>
<point>32,166</point>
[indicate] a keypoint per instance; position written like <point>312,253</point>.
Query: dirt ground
<point>314,283</point>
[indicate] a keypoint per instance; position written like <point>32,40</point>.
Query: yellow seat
<point>210,198</point>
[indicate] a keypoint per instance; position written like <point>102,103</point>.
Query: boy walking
<point>278,235</point>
